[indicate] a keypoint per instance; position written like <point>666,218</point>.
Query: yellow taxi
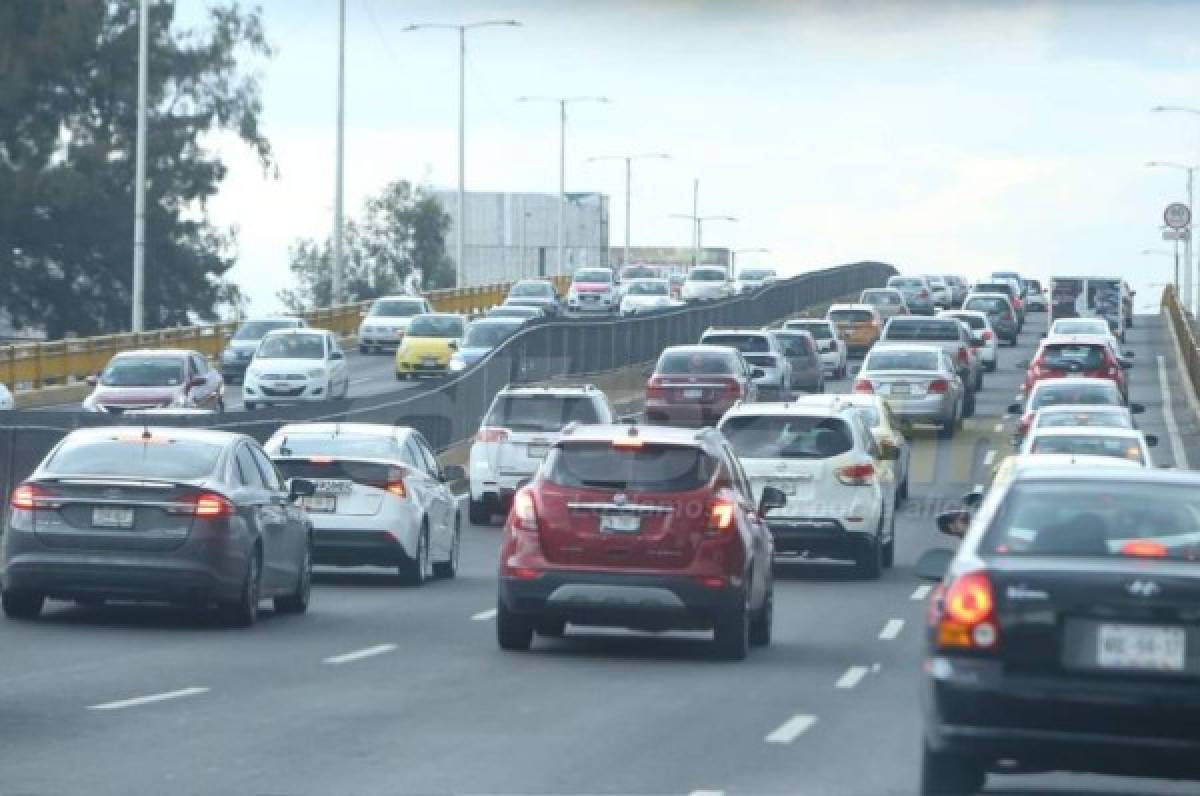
<point>428,344</point>
<point>858,324</point>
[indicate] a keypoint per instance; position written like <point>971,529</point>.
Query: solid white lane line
<point>484,616</point>
<point>988,458</point>
<point>999,428</point>
<point>358,655</point>
<point>707,793</point>
<point>891,629</point>
<point>1177,448</point>
<point>146,700</point>
<point>791,729</point>
<point>922,591</point>
<point>852,677</point>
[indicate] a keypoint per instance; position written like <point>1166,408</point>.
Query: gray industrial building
<point>514,235</point>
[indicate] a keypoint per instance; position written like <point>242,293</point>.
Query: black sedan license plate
<point>108,517</point>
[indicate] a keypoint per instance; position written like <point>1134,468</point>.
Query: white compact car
<point>387,321</point>
<point>381,499</point>
<point>516,434</point>
<point>840,485</point>
<point>706,282</point>
<point>1116,443</point>
<point>296,366</point>
<point>983,336</point>
<point>835,353</point>
<point>646,295</point>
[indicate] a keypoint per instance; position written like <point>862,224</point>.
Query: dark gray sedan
<point>801,351</point>
<point>535,293</point>
<point>186,516</point>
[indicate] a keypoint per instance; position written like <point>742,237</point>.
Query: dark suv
<point>643,527</point>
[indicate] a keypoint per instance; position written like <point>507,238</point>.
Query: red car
<point>1090,356</point>
<point>694,385</point>
<point>642,527</point>
<point>156,379</point>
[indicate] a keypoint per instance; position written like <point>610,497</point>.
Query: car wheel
<point>401,376</point>
<point>945,774</point>
<point>550,628</point>
<point>968,408</point>
<point>297,601</point>
<point>249,406</point>
<point>902,491</point>
<point>731,633</point>
<point>888,552</point>
<point>979,381</point>
<point>868,563</point>
<point>413,571</point>
<point>513,632</point>
<point>760,625</point>
<point>220,406</point>
<point>363,349</point>
<point>448,568</point>
<point>243,612</point>
<point>949,426</point>
<point>479,512</point>
<point>990,366</point>
<point>22,604</point>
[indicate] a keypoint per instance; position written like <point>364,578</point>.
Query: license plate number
<point>321,503</point>
<point>281,385</point>
<point>429,361</point>
<point>900,389</point>
<point>326,486</point>
<point>538,451</point>
<point>693,394</point>
<point>112,518</point>
<point>1161,649</point>
<point>621,523</point>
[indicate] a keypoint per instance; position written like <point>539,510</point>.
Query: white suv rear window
<point>787,436</point>
<point>541,412</point>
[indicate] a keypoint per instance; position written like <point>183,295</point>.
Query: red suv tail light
<point>491,434</point>
<point>963,357</point>
<point>722,516</point>
<point>655,388</point>
<point>965,615</point>
<point>856,474</point>
<point>864,386</point>
<point>734,389</point>
<point>524,513</point>
<point>987,334</point>
<point>938,386</point>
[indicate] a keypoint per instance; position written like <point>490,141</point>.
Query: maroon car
<point>694,385</point>
<point>641,527</point>
<point>157,378</point>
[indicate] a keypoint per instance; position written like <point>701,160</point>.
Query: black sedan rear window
<point>922,330</point>
<point>127,455</point>
<point>649,468</point>
<point>795,345</point>
<point>787,437</point>
<point>746,343</point>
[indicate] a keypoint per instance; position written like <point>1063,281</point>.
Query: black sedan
<point>185,516</point>
<point>1065,632</point>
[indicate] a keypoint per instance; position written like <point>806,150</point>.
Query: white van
<point>1090,297</point>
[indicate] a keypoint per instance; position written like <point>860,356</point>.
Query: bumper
<point>380,341</point>
<point>592,305</point>
<point>819,536</point>
<point>255,392</point>
<point>921,307</point>
<point>168,577</point>
<point>686,415</point>
<point>938,410</point>
<point>808,380</point>
<point>498,489</point>
<point>974,707</point>
<point>352,548</point>
<point>644,602</point>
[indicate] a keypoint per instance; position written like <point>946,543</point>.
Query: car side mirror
<point>954,523</point>
<point>337,356</point>
<point>1137,409</point>
<point>772,498</point>
<point>1151,440</point>
<point>92,381</point>
<point>301,488</point>
<point>973,498</point>
<point>1014,409</point>
<point>757,373</point>
<point>934,564</point>
<point>452,473</point>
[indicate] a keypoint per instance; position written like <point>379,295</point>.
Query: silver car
<point>764,351</point>
<point>983,336</point>
<point>919,382</point>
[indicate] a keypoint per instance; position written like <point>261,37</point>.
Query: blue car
<point>482,336</point>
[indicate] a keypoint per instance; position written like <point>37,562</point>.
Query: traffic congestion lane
<point>443,710</point>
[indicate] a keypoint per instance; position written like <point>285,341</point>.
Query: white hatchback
<point>706,282</point>
<point>296,366</point>
<point>840,485</point>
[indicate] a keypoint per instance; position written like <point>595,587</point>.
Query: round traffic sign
<point>1177,215</point>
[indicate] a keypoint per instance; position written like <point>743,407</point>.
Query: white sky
<point>937,136</point>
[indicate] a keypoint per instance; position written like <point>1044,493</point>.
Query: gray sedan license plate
<point>106,517</point>
<point>620,523</point>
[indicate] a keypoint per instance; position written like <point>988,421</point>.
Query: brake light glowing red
<point>655,388</point>
<point>938,387</point>
<point>856,474</point>
<point>25,497</point>
<point>963,356</point>
<point>524,573</point>
<point>864,386</point>
<point>320,459</point>
<point>491,434</point>
<point>211,506</point>
<point>966,618</point>
<point>721,515</point>
<point>524,512</point>
<point>1143,548</point>
<point>397,488</point>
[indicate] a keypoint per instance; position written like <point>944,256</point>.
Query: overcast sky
<point>943,137</point>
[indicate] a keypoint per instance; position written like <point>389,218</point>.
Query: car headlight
<point>316,373</point>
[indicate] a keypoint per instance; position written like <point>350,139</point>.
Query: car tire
<point>764,618</point>
<point>888,548</point>
<point>945,774</point>
<point>731,633</point>
<point>297,601</point>
<point>401,376</point>
<point>414,571</point>
<point>868,560</point>
<point>243,612</point>
<point>902,491</point>
<point>220,406</point>
<point>364,349</point>
<point>991,366</point>
<point>22,604</point>
<point>979,381</point>
<point>948,428</point>
<point>968,408</point>
<point>479,512</point>
<point>514,633</point>
<point>445,570</point>
<point>550,627</point>
<point>249,406</point>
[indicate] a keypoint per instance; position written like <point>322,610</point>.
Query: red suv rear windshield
<point>650,468</point>
<point>1080,357</point>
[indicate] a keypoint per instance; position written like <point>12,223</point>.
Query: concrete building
<point>514,235</point>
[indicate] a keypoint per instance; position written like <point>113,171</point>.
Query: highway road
<point>382,690</point>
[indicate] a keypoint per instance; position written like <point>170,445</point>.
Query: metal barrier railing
<point>1189,350</point>
<point>37,365</point>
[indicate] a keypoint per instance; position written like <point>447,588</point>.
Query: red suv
<point>694,385</point>
<point>644,527</point>
<point>1077,355</point>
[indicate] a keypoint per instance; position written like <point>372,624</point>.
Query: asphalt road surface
<point>383,690</point>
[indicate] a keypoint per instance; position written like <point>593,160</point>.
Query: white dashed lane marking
<point>988,458</point>
<point>358,655</point>
<point>852,677</point>
<point>484,616</point>
<point>891,629</point>
<point>922,591</point>
<point>146,700</point>
<point>791,729</point>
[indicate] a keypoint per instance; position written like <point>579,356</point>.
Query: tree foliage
<point>68,114</point>
<point>402,231</point>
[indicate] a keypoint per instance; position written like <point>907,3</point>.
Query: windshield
<point>442,326</point>
<point>656,288</point>
<point>127,455</point>
<point>540,412</point>
<point>1080,326</point>
<point>756,275</point>
<point>651,468</point>
<point>1065,419</point>
<point>922,330</point>
<point>906,283</point>
<point>256,330</point>
<point>884,359</point>
<point>1073,357</point>
<point>132,371</point>
<point>1085,445</point>
<point>851,316</point>
<point>638,272</point>
<point>794,345</point>
<point>349,446</point>
<point>514,312</point>
<point>532,290</point>
<point>1050,393</point>
<point>996,287</point>
<point>992,306</point>
<point>787,437</point>
<point>974,321</point>
<point>880,298</point>
<point>397,308</point>
<point>706,275</point>
<point>488,335</point>
<point>695,362</point>
<point>746,343</point>
<point>819,331</point>
<point>292,346</point>
<point>593,275</point>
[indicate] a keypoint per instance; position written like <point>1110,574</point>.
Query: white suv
<point>763,350</point>
<point>840,485</point>
<point>516,434</point>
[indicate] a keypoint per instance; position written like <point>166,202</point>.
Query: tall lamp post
<point>628,179</point>
<point>138,291</point>
<point>1187,242</point>
<point>562,103</point>
<point>698,226</point>
<point>1189,302</point>
<point>462,122</point>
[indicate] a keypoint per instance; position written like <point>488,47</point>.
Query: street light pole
<point>139,192</point>
<point>461,222</point>
<point>562,163</point>
<point>1187,298</point>
<point>1190,300</point>
<point>628,189</point>
<point>698,224</point>
<point>338,195</point>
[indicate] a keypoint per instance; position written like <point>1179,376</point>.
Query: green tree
<point>68,112</point>
<point>402,230</point>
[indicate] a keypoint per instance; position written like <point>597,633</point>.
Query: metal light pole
<point>628,179</point>
<point>525,214</point>
<point>462,123</point>
<point>335,287</point>
<point>139,188</point>
<point>562,162</point>
<point>733,255</point>
<point>698,222</point>
<point>1187,242</point>
<point>1190,302</point>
